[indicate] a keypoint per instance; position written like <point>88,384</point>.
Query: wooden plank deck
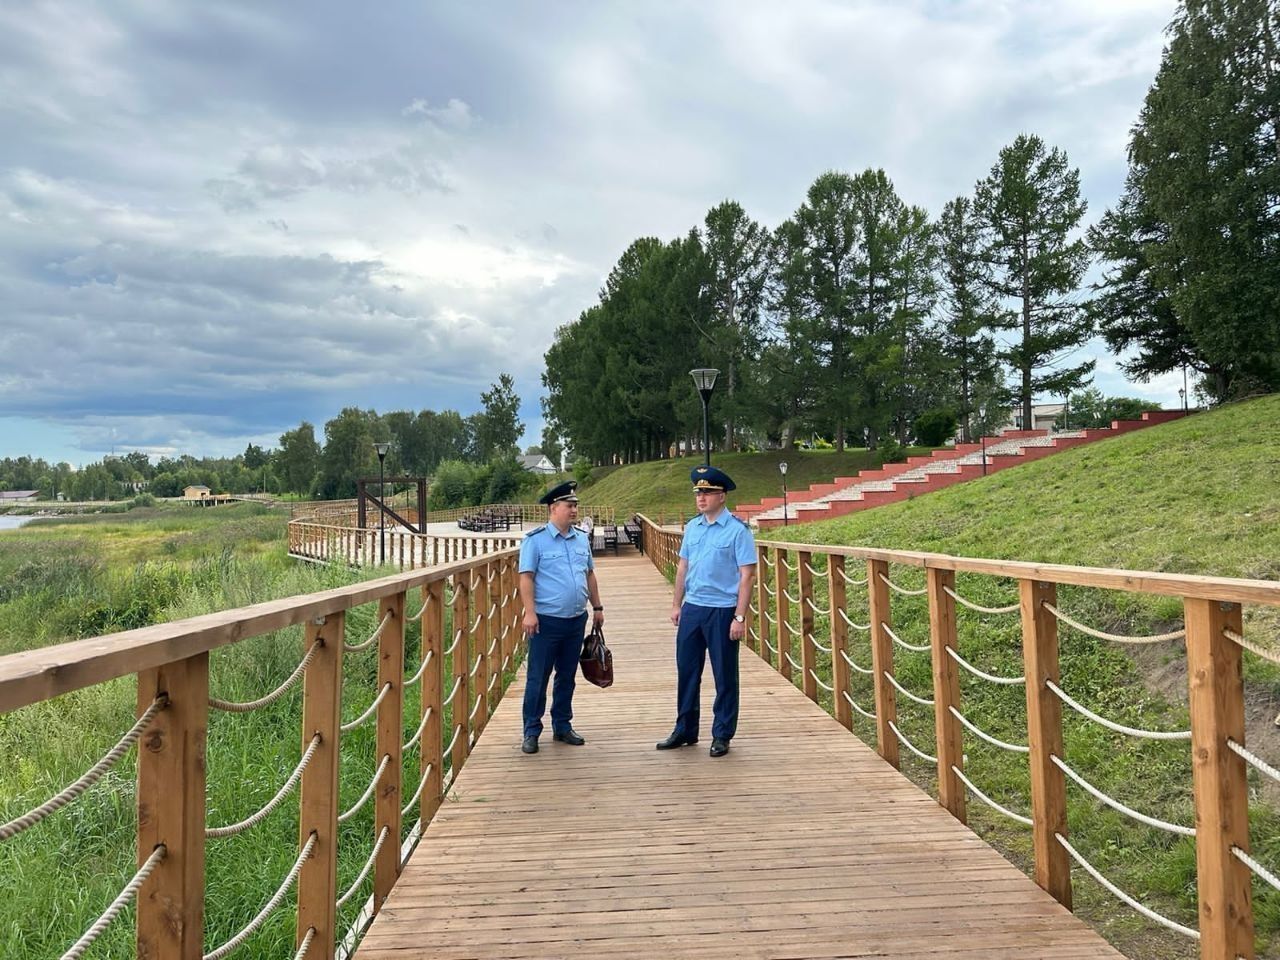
<point>800,843</point>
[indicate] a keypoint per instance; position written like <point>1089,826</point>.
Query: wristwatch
<point>598,609</point>
<point>738,618</point>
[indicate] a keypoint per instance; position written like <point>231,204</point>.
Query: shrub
<point>582,471</point>
<point>935,427</point>
<point>891,451</point>
<point>449,487</point>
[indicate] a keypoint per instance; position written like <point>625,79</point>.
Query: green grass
<point>77,578</point>
<point>1198,496</point>
<point>661,488</point>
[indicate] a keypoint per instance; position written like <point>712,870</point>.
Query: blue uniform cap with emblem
<point>565,491</point>
<point>709,478</point>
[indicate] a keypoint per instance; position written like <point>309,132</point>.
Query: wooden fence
<point>343,512</point>
<point>327,543</point>
<point>470,631</point>
<point>801,610</point>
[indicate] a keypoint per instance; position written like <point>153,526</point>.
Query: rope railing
<point>1254,760</point>
<point>475,667</point>
<point>417,794</point>
<point>305,945</point>
<point>1121,895</point>
<point>1113,637</point>
<point>795,600</point>
<point>816,645</point>
<point>368,792</point>
<point>902,737</point>
<point>983,735</point>
<point>851,581</point>
<point>217,833</point>
<point>772,619</point>
<point>794,665</point>
<point>923,701</point>
<point>1263,652</point>
<point>818,680</point>
<point>771,591</point>
<point>870,715</point>
<point>1116,805</point>
<point>862,627</point>
<point>772,648</point>
<point>88,778</point>
<point>865,671</point>
<point>368,865</point>
<point>794,631</point>
<point>271,904</point>
<point>373,708</point>
<point>457,636</point>
<point>913,647</point>
<point>457,685</point>
<point>417,734</point>
<point>475,708</point>
<point>422,668</point>
<point>1112,725</point>
<point>793,567</point>
<point>989,677</point>
<point>231,706</point>
<point>457,729</point>
<point>820,611</point>
<point>1016,817</point>
<point>816,573</point>
<point>122,900</point>
<point>1258,869</point>
<point>1013,607</point>
<point>902,590</point>
<point>373,638</point>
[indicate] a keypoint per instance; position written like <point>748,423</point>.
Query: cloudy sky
<point>220,219</point>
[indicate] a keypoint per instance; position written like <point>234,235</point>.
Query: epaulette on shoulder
<point>535,530</point>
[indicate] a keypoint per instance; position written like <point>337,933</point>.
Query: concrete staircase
<point>943,468</point>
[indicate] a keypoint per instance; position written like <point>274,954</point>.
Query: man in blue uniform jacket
<point>713,590</point>
<point>557,575</point>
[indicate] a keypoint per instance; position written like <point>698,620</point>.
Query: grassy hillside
<point>1197,496</point>
<point>662,486</point>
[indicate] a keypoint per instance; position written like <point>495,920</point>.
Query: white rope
<point>492,680</point>
<point>770,645</point>
<point>865,671</point>
<point>975,606</point>
<point>492,647</point>
<point>418,793</point>
<point>790,566</point>
<point>772,593</point>
<point>911,746</point>
<point>754,636</point>
<point>1118,727</point>
<point>121,901</point>
<point>233,707</point>
<point>368,865</point>
<point>348,727</point>
<point>817,645</point>
<point>915,648</point>
<point>357,647</point>
<point>1115,804</point>
<point>1262,872</point>
<point>991,677</point>
<point>1263,652</point>
<point>456,637</point>
<point>457,729</point>
<point>770,618</point>
<point>905,692</point>
<point>903,590</point>
<point>426,602</point>
<point>969,725</point>
<point>1019,818</point>
<point>1114,637</point>
<point>216,833</point>
<point>816,573</point>
<point>794,665</point>
<point>1121,895</point>
<point>479,617</point>
<point>795,600</point>
<point>476,666</point>
<point>305,945</point>
<point>818,681</point>
<point>820,611</point>
<point>794,631</point>
<point>421,727</point>
<point>266,911</point>
<point>850,580</point>
<point>854,703</point>
<point>1261,765</point>
<point>457,685</point>
<point>89,778</point>
<point>344,817</point>
<point>421,669</point>
<point>475,707</point>
<point>864,627</point>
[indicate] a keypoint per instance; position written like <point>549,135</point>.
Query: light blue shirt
<point>714,552</point>
<point>559,563</point>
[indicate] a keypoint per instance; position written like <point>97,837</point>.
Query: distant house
<point>197,491</point>
<point>537,463</point>
<point>18,496</point>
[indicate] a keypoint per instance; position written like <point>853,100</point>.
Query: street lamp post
<point>704,378</point>
<point>1182,396</point>
<point>782,469</point>
<point>382,447</point>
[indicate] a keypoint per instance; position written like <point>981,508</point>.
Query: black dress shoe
<point>529,745</point>
<point>675,740</point>
<point>719,747</point>
<point>571,737</point>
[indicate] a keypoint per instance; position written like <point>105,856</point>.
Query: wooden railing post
<point>480,607</point>
<point>783,607</point>
<point>461,705</point>
<point>837,598</point>
<point>171,805</point>
<point>1044,734</point>
<point>431,764</point>
<point>762,605</point>
<point>318,815</point>
<point>946,691</point>
<point>808,660</point>
<point>882,659</point>
<point>493,635</point>
<point>387,796</point>
<point>1214,673</point>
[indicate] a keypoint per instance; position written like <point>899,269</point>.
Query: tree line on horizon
<point>864,318</point>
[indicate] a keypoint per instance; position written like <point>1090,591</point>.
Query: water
<point>12,523</point>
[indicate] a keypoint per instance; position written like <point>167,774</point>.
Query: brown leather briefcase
<point>597,659</point>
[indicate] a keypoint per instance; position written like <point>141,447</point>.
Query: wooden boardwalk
<point>800,843</point>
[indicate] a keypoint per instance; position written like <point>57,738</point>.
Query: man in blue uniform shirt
<point>713,590</point>
<point>557,575</point>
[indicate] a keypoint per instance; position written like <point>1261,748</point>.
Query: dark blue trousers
<point>558,645</point>
<point>703,632</point>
